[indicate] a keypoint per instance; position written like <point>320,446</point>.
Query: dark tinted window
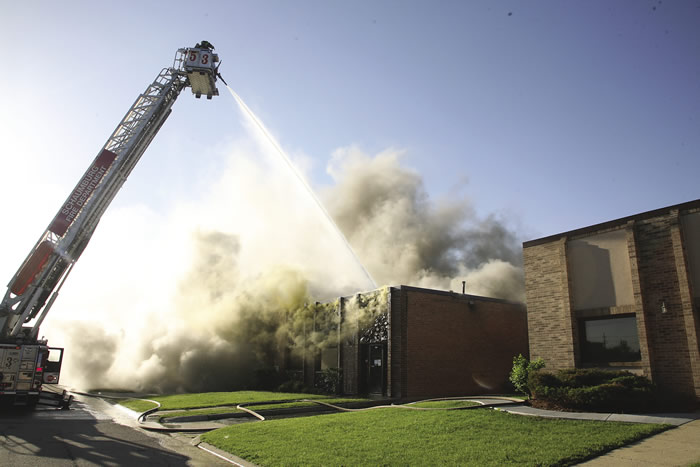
<point>610,340</point>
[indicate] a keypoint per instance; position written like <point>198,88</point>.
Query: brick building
<point>623,294</point>
<point>426,343</point>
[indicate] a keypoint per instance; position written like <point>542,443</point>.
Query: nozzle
<point>221,78</point>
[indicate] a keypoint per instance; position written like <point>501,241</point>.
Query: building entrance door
<point>377,369</point>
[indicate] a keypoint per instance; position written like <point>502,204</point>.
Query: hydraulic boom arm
<point>34,288</point>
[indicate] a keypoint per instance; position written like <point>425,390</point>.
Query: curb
<point>228,457</point>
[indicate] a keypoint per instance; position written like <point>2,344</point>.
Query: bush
<point>293,385</point>
<point>522,367</point>
<point>329,381</point>
<point>593,390</point>
<point>267,378</point>
<point>579,378</point>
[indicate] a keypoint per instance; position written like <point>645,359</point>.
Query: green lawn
<point>395,436</point>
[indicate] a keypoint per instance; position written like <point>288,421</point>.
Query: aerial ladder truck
<point>26,361</point>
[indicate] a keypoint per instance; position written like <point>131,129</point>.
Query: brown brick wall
<point>454,348</point>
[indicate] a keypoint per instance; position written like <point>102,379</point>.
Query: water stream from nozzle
<point>290,166</point>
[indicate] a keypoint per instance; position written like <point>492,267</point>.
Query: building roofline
<point>615,223</point>
<point>446,293</point>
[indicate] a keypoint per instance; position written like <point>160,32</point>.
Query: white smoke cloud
<point>169,292</point>
<point>198,297</point>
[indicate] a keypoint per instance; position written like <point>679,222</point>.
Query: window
<point>610,340</point>
<point>600,271</point>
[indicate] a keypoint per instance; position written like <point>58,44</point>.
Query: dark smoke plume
<point>405,238</point>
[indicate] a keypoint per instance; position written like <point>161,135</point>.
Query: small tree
<point>521,370</point>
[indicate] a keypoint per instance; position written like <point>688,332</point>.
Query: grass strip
<point>218,399</point>
<point>137,405</point>
<point>447,404</point>
<point>261,408</point>
<point>410,437</point>
<point>190,413</point>
<point>214,399</point>
<point>329,400</point>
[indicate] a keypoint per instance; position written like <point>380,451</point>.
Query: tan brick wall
<point>550,325</point>
<point>688,311</point>
<point>642,323</point>
<point>454,348</point>
<point>672,340</point>
<point>659,267</point>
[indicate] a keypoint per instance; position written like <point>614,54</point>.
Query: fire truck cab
<point>25,368</point>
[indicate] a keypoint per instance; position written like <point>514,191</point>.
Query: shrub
<point>267,378</point>
<point>293,385</point>
<point>581,377</point>
<point>522,367</point>
<point>593,390</point>
<point>329,381</point>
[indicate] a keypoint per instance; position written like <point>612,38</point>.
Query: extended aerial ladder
<point>25,363</point>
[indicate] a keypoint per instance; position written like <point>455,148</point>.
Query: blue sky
<point>554,115</point>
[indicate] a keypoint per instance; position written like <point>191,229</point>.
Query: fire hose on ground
<point>245,407</point>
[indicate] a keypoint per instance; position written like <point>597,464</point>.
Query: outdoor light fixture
<point>663,306</point>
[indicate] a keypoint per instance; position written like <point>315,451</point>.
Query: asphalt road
<point>92,432</point>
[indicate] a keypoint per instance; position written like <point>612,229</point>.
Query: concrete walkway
<point>678,446</point>
<point>675,419</point>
